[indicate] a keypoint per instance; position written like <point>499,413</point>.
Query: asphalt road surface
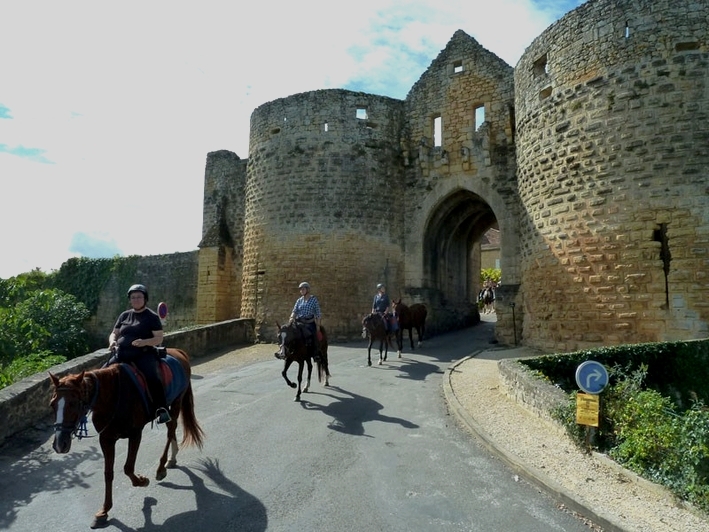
<point>375,451</point>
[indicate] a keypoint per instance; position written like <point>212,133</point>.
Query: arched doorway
<point>451,254</point>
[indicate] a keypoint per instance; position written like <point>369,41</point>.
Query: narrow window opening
<point>457,67</point>
<point>275,130</point>
<point>479,116</point>
<point>660,235</point>
<point>362,113</point>
<point>325,127</point>
<point>437,131</point>
<point>686,46</point>
<point>627,29</point>
<point>541,67</point>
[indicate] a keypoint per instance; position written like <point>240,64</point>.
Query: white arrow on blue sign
<point>592,377</point>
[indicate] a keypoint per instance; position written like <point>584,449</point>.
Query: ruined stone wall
<point>221,248</point>
<point>459,189</point>
<point>612,105</point>
<point>324,174</point>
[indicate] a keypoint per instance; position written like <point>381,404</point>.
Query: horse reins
<point>80,429</point>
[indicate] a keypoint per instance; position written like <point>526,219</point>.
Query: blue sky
<point>108,110</point>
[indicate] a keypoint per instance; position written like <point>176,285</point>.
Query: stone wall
<point>612,103</point>
<point>26,403</point>
<point>170,278</point>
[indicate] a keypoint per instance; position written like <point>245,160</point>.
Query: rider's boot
<point>160,404</point>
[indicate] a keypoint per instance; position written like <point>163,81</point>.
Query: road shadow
<point>235,509</point>
<point>349,414</point>
<point>30,468</point>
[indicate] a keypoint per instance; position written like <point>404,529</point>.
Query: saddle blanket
<point>171,373</point>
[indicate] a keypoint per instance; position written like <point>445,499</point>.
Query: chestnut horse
<point>373,327</point>
<point>119,411</point>
<point>293,347</point>
<point>409,318</point>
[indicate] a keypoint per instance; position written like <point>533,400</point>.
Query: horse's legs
<point>108,447</point>
<point>419,332</point>
<point>300,380</point>
<point>411,337</point>
<point>369,351</point>
<point>286,365</point>
<point>399,340</point>
<point>381,348</point>
<point>310,373</point>
<point>170,445</point>
<point>129,467</point>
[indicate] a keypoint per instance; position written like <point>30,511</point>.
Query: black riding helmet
<point>138,288</point>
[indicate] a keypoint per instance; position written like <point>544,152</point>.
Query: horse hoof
<point>369,362</point>
<point>296,399</point>
<point>100,522</point>
<point>380,361</point>
<point>160,475</point>
<point>399,355</point>
<point>171,464</point>
<point>292,385</point>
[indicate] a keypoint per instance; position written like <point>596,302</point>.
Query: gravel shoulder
<point>543,454</point>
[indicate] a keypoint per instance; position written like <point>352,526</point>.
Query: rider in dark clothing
<point>134,337</point>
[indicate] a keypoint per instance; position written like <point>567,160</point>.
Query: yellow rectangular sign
<point>587,408</point>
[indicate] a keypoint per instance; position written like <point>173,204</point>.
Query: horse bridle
<point>79,429</point>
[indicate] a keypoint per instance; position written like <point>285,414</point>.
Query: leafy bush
<point>24,367</point>
<point>656,435</point>
<point>40,328</point>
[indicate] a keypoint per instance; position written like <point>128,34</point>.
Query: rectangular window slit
<point>437,131</point>
<point>362,113</point>
<point>457,67</point>
<point>479,116</point>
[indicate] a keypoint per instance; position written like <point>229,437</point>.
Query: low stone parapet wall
<point>536,395</point>
<point>26,403</point>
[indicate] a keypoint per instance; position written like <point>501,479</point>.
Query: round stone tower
<point>322,192</point>
<point>612,109</point>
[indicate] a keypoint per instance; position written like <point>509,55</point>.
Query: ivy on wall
<point>86,278</point>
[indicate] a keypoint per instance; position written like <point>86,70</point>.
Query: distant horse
<point>409,318</point>
<point>488,299</point>
<point>374,328</point>
<point>121,411</point>
<point>292,347</point>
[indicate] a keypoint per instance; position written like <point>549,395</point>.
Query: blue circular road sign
<point>592,377</point>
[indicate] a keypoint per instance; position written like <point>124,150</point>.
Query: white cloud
<point>126,99</point>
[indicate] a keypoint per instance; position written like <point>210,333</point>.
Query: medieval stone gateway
<point>590,157</point>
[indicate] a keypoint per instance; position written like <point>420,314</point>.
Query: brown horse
<point>373,327</point>
<point>409,318</point>
<point>119,411</point>
<point>293,347</point>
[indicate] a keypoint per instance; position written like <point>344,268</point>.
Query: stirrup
<point>162,415</point>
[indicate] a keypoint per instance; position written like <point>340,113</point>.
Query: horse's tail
<point>193,433</point>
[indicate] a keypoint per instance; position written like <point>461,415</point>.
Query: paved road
<point>375,451</point>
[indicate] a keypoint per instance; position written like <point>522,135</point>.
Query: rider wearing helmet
<point>134,337</point>
<point>381,304</point>
<point>306,311</point>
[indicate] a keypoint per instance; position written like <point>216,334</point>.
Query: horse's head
<point>70,406</point>
<point>288,335</point>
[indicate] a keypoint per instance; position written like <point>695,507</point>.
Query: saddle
<point>172,376</point>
